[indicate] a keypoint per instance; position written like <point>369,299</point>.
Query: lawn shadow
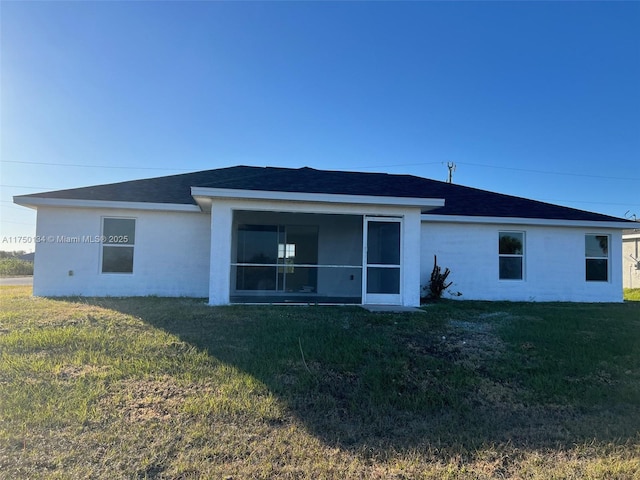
<point>364,381</point>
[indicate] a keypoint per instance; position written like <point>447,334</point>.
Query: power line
<point>546,172</point>
<point>527,170</point>
<point>400,165</point>
<point>28,188</point>
<point>96,166</point>
<point>186,169</point>
<point>586,201</point>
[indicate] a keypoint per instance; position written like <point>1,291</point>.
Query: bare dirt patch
<point>463,342</point>
<point>143,400</point>
<point>77,371</point>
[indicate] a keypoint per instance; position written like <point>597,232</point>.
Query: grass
<point>632,294</point>
<point>172,388</point>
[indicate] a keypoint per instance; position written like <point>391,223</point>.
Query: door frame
<point>381,298</point>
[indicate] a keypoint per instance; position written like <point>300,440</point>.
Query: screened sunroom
<point>296,257</point>
<point>308,248</point>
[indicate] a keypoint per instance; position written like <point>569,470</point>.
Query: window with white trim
<point>596,253</point>
<point>118,240</point>
<point>511,255</point>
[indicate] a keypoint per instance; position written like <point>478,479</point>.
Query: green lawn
<point>172,388</point>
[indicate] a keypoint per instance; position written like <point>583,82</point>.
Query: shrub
<point>438,282</point>
<point>15,266</point>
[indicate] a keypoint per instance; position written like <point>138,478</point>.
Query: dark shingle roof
<point>459,200</point>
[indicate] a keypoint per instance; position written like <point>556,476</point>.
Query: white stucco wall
<point>411,279</point>
<point>554,262</point>
<point>171,254</point>
<point>221,244</point>
<point>631,267</point>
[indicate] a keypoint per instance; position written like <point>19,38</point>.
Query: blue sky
<point>535,99</point>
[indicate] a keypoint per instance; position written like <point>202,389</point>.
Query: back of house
<point>277,235</point>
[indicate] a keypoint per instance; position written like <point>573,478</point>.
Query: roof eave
<point>35,202</point>
<point>525,221</point>
<point>204,195</point>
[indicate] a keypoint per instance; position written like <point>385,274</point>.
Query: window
<point>511,255</point>
<point>118,239</point>
<point>596,252</point>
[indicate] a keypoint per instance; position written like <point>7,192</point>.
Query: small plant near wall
<point>437,284</point>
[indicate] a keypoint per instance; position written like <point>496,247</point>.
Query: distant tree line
<point>16,254</point>
<point>11,264</point>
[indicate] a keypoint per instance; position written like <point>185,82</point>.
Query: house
<point>27,257</point>
<point>263,235</point>
<point>631,258</point>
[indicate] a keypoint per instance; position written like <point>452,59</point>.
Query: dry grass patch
<point>174,389</point>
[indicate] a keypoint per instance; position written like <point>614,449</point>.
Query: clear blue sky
<point>536,99</point>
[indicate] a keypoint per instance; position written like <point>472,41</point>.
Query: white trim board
<point>431,218</point>
<point>425,204</point>
<point>35,202</point>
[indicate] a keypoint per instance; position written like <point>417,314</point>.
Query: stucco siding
<point>171,254</point>
<point>410,254</point>
<point>554,262</point>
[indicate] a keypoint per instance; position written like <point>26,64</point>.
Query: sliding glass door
<point>277,258</point>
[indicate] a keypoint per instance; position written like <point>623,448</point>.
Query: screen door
<point>382,252</point>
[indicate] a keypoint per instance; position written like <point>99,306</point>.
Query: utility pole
<point>452,168</point>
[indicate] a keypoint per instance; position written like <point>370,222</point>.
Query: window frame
<point>521,256</point>
<point>104,244</point>
<point>607,258</point>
